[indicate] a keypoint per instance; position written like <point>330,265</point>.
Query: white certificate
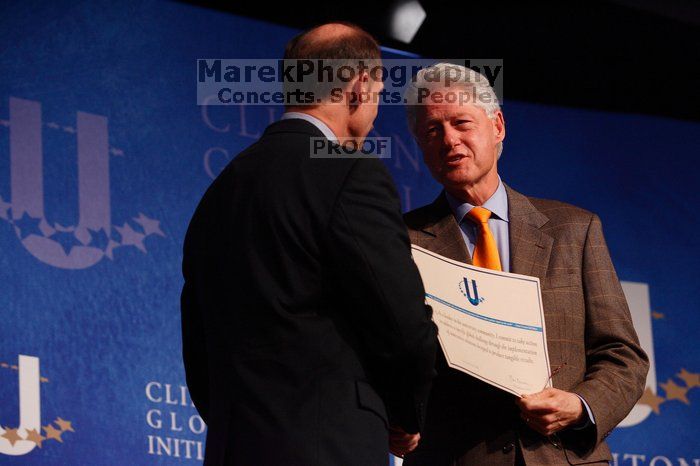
<point>490,323</point>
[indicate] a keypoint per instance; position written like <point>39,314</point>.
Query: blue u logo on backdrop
<point>93,237</point>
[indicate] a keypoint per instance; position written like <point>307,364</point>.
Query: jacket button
<point>508,447</point>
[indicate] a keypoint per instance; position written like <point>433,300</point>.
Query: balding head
<point>334,41</point>
<point>333,47</point>
<point>329,78</point>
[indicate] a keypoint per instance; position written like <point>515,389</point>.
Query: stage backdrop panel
<point>104,155</point>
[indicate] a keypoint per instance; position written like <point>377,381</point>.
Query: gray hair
<point>442,75</point>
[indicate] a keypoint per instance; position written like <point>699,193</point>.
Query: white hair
<point>443,75</point>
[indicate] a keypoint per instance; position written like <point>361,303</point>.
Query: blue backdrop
<point>104,155</point>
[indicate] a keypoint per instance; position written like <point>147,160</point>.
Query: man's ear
<point>499,126</point>
<point>358,87</point>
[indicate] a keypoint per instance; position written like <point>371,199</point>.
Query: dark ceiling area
<point>625,56</point>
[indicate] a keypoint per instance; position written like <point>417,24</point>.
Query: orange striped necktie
<point>485,253</point>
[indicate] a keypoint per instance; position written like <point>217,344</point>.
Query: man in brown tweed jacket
<point>599,366</point>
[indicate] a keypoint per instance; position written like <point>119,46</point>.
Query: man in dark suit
<point>305,334</point>
<point>599,368</point>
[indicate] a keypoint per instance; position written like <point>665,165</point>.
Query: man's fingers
<point>544,417</point>
<point>545,425</point>
<point>547,401</point>
<point>552,411</point>
<point>538,406</point>
<point>545,430</point>
<point>546,393</point>
<point>403,435</point>
<point>401,443</point>
<point>401,451</point>
<point>397,449</point>
<point>550,418</point>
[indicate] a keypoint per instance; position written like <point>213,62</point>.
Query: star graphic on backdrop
<point>52,432</point>
<point>650,399</point>
<point>131,237</point>
<point>52,125</point>
<point>67,240</point>
<point>4,207</point>
<point>28,225</point>
<point>64,425</point>
<point>150,226</point>
<point>98,238</point>
<point>36,437</point>
<point>675,392</point>
<point>691,379</point>
<point>116,152</point>
<point>657,315</point>
<point>11,435</point>
<point>69,129</point>
<point>111,246</point>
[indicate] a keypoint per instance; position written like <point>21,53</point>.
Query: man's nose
<point>450,138</point>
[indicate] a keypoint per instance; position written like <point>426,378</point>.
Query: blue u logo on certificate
<point>466,290</point>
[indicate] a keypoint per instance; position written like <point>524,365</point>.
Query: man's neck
<point>323,113</point>
<point>478,193</point>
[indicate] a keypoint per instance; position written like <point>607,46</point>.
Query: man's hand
<point>551,410</point>
<point>401,442</point>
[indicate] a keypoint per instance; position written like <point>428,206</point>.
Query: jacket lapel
<point>530,247</point>
<point>443,234</point>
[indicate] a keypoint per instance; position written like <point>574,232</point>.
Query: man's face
<point>363,119</point>
<point>459,142</point>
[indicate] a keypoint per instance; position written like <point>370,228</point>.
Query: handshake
<point>401,442</point>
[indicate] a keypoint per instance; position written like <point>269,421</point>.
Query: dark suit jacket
<point>588,327</point>
<point>304,326</point>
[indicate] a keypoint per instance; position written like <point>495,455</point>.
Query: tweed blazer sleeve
<point>616,366</point>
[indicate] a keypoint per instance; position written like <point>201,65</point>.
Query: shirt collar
<point>322,127</point>
<point>497,204</point>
